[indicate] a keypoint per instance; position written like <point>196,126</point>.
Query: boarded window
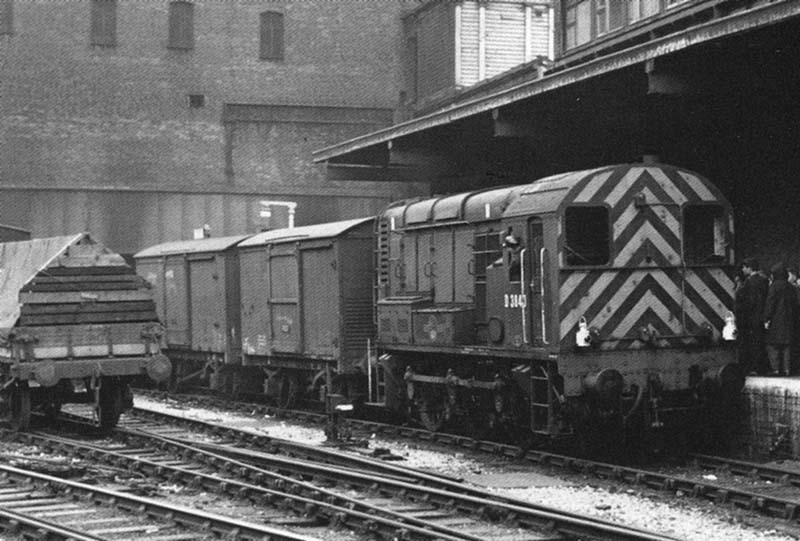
<point>704,234</point>
<point>104,23</point>
<point>586,236</point>
<point>271,35</point>
<point>609,15</point>
<point>181,25</point>
<point>641,9</point>
<point>578,24</point>
<point>6,16</point>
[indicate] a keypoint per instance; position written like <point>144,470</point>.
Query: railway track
<point>43,506</point>
<point>390,502</point>
<point>771,498</point>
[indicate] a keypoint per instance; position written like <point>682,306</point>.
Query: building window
<point>196,101</point>
<point>586,239</point>
<point>271,35</point>
<point>6,17</point>
<point>578,23</point>
<point>181,25</point>
<point>641,9</point>
<point>104,23</point>
<point>609,15</point>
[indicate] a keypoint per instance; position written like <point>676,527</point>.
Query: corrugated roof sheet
<point>19,263</point>
<point>199,246</point>
<point>307,232</point>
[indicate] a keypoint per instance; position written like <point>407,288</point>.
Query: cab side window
<point>586,236</point>
<point>704,234</point>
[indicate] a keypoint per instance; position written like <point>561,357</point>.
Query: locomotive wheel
<point>109,403</point>
<point>15,406</point>
<point>288,389</point>
<point>433,409</point>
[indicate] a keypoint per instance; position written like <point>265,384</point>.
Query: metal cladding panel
<point>254,282</point>
<point>425,258</point>
<point>449,208</point>
<point>395,263</point>
<point>320,301</point>
<point>176,301</point>
<point>469,43</point>
<point>420,212</point>
<point>443,268</point>
<point>540,32</point>
<point>152,270</point>
<point>209,305</point>
<point>464,266</point>
<point>488,205</point>
<point>284,300</point>
<point>445,326</point>
<point>505,37</point>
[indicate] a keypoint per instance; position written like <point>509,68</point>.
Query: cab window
<point>586,236</point>
<point>704,234</point>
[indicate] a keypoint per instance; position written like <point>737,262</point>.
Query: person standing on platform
<point>750,299</point>
<point>780,319</point>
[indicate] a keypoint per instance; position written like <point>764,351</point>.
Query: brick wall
<point>84,118</point>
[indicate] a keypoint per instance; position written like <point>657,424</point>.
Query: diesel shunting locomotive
<point>589,302</point>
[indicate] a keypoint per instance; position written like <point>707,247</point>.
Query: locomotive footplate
<point>454,381</point>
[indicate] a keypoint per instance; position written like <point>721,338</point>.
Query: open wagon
<point>76,325</point>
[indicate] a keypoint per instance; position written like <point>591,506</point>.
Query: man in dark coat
<point>780,313</point>
<point>750,299</point>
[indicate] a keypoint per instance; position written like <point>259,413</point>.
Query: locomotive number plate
<point>515,300</point>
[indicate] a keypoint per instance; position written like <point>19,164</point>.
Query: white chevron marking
<point>646,232</point>
<point>667,185</point>
<point>571,318</point>
<point>623,185</point>
<point>662,212</point>
<point>698,186</point>
<point>572,281</point>
<point>671,289</point>
<point>591,189</point>
<point>722,279</point>
<point>703,290</point>
<point>648,301</point>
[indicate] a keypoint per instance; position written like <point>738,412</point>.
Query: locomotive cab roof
<point>550,194</point>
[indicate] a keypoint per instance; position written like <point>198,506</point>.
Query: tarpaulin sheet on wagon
<point>19,263</point>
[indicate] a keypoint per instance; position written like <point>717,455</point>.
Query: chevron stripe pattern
<point>646,285</point>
